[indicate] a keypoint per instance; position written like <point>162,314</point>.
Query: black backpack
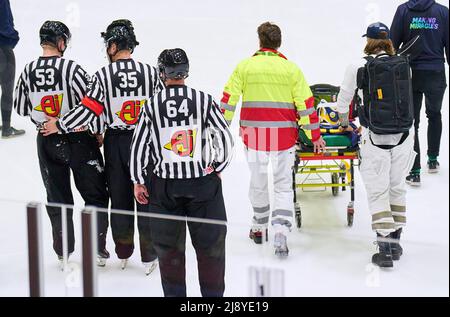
<point>387,107</point>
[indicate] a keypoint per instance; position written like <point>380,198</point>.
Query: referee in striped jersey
<point>182,134</point>
<point>113,102</point>
<point>48,88</point>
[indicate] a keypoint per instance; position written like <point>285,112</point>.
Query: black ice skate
<point>396,248</point>
<point>384,256</point>
<point>280,244</point>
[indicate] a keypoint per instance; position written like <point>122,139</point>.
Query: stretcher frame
<point>340,162</point>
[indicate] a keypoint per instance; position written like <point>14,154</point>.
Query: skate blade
<point>413,184</point>
<point>123,264</point>
<point>149,270</point>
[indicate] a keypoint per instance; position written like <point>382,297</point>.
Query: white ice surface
<point>327,258</point>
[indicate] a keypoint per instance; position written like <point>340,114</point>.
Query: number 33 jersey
<point>49,86</point>
<point>115,97</point>
<point>182,134</point>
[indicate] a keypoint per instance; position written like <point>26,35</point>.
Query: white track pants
<point>283,207</point>
<point>383,173</point>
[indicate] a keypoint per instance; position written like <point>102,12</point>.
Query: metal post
<point>352,183</point>
<point>65,241</point>
<point>35,262</point>
<point>266,282</point>
<point>294,183</point>
<point>89,233</point>
<point>351,204</point>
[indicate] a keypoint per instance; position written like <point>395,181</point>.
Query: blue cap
<point>378,31</point>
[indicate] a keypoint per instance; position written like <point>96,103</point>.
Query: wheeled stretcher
<point>334,168</point>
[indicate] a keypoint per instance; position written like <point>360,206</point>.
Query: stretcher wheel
<point>350,220</point>
<point>350,214</point>
<point>335,180</point>
<point>298,216</point>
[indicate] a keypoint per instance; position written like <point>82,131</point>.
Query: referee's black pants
<point>199,198</point>
<point>117,147</point>
<point>79,152</point>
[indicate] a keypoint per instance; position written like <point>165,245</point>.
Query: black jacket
<point>8,35</point>
<point>429,20</point>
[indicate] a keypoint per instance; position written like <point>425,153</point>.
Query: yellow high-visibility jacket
<point>276,100</point>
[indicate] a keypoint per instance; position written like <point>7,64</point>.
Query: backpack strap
<point>360,74</point>
<point>381,55</point>
<point>359,81</point>
<point>356,101</point>
<point>390,147</point>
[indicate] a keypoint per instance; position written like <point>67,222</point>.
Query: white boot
<point>280,241</point>
<point>150,266</point>
<point>280,244</point>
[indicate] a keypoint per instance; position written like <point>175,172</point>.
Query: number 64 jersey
<point>115,97</point>
<point>182,134</point>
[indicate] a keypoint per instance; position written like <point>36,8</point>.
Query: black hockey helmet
<point>173,64</point>
<point>52,31</point>
<point>120,32</point>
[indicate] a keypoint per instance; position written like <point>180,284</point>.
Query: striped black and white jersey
<point>50,86</point>
<point>182,134</point>
<point>115,96</point>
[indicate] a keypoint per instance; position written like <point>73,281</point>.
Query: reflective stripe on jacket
<point>276,99</point>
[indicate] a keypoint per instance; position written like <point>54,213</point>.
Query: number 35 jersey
<point>182,134</point>
<point>115,97</point>
<point>49,86</point>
